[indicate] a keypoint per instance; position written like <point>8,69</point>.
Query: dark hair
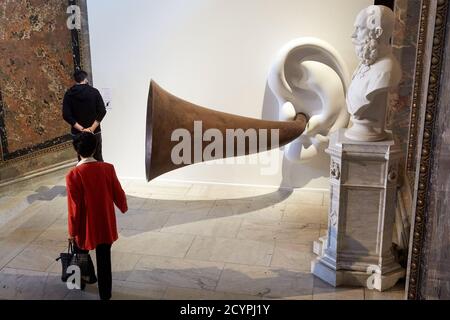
<point>85,144</point>
<point>80,75</point>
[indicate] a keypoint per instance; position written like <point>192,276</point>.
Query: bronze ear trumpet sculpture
<point>166,113</point>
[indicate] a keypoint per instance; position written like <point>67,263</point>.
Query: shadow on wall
<point>295,175</point>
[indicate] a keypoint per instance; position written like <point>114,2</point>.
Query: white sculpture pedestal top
<point>358,248</point>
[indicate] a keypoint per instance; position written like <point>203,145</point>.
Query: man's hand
<point>88,130</point>
<point>79,127</point>
<point>94,126</point>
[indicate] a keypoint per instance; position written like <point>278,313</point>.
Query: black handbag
<point>82,260</point>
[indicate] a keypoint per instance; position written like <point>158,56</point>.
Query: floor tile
<point>227,192</point>
<point>10,207</point>
<point>37,258</point>
<point>247,209</point>
<point>175,293</point>
<point>266,282</point>
<point>324,291</point>
<point>56,235</point>
<point>126,290</point>
<point>89,293</point>
<point>265,230</point>
<point>171,206</point>
<point>153,243</point>
<point>177,272</point>
<point>135,203</point>
<point>303,197</point>
<point>142,220</point>
<point>314,215</point>
<point>292,256</point>
<point>30,285</point>
<point>200,224</point>
<point>15,243</point>
<point>231,250</point>
<point>396,293</point>
<point>122,264</point>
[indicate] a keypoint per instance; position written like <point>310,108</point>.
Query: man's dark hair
<point>85,144</point>
<point>80,75</point>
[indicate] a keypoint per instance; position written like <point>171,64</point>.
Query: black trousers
<point>104,273</point>
<point>98,152</point>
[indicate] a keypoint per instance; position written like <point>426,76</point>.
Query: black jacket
<point>83,104</point>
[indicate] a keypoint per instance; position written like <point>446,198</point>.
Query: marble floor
<point>178,241</point>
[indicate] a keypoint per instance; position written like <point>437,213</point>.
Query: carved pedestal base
<point>358,248</point>
<point>355,278</point>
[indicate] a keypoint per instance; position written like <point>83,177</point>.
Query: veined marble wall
<point>405,47</point>
<point>405,43</point>
<point>38,54</point>
<point>434,283</point>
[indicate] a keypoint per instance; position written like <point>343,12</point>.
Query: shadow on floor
<point>154,217</point>
<point>188,284</point>
<point>46,194</point>
<point>211,283</point>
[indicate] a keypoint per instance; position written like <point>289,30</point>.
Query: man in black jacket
<point>84,110</point>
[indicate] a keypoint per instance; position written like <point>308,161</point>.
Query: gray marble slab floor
<point>178,241</point>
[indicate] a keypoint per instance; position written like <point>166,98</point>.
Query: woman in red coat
<point>92,191</point>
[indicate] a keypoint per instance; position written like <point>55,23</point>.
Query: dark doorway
<point>387,3</point>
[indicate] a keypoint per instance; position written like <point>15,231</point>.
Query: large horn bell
<point>167,113</point>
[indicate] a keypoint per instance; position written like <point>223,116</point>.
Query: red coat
<point>92,191</point>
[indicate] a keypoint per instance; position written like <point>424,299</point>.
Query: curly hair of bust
<point>369,49</point>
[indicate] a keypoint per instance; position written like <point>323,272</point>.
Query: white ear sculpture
<point>310,77</point>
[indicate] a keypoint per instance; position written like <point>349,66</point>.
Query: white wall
<point>216,53</point>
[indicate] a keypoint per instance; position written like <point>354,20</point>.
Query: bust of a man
<point>377,73</point>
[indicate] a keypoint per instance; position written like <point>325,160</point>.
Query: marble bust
<point>377,73</point>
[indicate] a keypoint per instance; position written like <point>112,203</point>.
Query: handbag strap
<point>70,247</point>
<point>69,250</point>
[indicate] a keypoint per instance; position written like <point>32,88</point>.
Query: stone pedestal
<point>357,250</point>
